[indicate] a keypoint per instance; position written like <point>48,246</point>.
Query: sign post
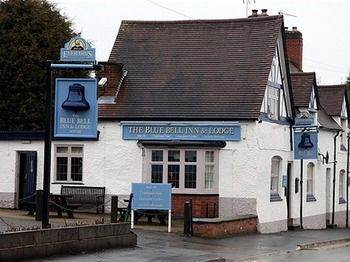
<point>151,196</point>
<point>305,147</point>
<point>76,116</point>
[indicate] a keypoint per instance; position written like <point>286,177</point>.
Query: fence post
<point>39,205</point>
<point>114,209</point>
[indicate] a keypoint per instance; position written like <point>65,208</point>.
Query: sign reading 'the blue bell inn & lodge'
<point>76,108</point>
<point>183,131</point>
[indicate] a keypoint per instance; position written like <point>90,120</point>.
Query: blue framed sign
<point>305,145</point>
<point>182,131</point>
<point>154,196</point>
<point>75,108</point>
<point>77,50</point>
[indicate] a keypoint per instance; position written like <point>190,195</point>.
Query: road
<point>160,246</point>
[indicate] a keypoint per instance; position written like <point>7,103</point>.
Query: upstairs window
<point>273,102</point>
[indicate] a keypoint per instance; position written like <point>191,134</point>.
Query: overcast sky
<point>325,24</point>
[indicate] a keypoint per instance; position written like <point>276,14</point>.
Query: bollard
<point>39,205</point>
<point>188,227</point>
<point>114,209</point>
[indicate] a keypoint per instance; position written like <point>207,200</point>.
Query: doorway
<point>328,195</point>
<point>27,178</point>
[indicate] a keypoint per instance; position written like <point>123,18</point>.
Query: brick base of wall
<point>203,205</point>
<point>213,228</point>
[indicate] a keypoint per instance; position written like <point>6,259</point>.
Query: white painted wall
<point>9,167</point>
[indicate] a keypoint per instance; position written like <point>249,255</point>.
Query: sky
<point>324,23</point>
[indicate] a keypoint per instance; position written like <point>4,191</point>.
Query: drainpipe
<point>334,172</point>
<point>347,185</point>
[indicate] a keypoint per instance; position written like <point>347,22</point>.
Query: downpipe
<point>334,173</point>
<point>347,185</point>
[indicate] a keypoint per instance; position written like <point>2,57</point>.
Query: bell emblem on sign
<point>305,141</point>
<point>76,99</point>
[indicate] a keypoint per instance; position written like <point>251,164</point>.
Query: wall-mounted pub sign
<point>76,108</point>
<point>182,131</point>
<point>77,50</point>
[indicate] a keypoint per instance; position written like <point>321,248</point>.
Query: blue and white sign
<point>75,108</point>
<point>305,145</point>
<point>182,131</point>
<point>77,50</point>
<point>153,196</point>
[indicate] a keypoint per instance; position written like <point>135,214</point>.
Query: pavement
<point>155,244</point>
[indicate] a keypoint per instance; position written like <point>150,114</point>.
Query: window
<point>69,163</point>
<point>188,170</point>
<point>343,144</point>
<point>275,175</point>
<point>273,97</point>
<point>209,169</point>
<point>310,179</point>
<point>342,187</point>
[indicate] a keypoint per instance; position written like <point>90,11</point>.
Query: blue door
<point>28,174</point>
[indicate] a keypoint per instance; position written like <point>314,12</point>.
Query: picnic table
<point>57,202</point>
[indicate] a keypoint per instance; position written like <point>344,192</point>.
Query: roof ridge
<point>203,21</point>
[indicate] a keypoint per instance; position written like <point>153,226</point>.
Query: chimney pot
<point>264,12</point>
<point>294,28</point>
<point>254,12</point>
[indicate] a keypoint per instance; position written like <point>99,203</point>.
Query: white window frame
<point>344,126</point>
<point>275,177</point>
<point>273,102</point>
<point>200,169</point>
<point>310,182</point>
<point>69,155</point>
<point>342,184</point>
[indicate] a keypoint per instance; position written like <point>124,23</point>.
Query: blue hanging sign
<point>182,131</point>
<point>155,196</point>
<point>77,50</point>
<point>305,145</point>
<point>75,108</point>
<point>304,119</point>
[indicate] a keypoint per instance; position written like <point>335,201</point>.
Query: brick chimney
<point>294,41</point>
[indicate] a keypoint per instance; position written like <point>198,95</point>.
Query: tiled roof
<point>202,69</point>
<point>302,88</point>
<point>331,98</point>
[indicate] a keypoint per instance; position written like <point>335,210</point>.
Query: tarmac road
<point>160,246</point>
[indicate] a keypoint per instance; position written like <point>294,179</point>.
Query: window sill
<point>67,183</point>
<point>275,197</point>
<point>310,198</point>
<point>342,200</point>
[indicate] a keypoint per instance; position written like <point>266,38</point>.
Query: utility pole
<point>247,3</point>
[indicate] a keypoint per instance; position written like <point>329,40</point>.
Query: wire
<point>169,9</point>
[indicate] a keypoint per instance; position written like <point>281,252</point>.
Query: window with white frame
<point>310,179</point>
<point>275,175</point>
<point>69,163</point>
<point>342,184</point>
<point>343,123</point>
<point>188,170</point>
<point>273,102</point>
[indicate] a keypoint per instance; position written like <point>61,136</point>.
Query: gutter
<point>334,172</point>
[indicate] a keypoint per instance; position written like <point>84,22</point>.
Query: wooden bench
<point>88,197</point>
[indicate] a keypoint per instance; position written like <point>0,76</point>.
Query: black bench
<point>88,197</point>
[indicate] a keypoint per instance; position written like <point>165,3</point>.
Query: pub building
<point>207,106</point>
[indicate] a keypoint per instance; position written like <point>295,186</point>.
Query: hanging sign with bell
<point>305,145</point>
<point>76,108</point>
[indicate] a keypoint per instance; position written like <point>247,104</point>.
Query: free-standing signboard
<point>151,196</point>
<point>75,108</point>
